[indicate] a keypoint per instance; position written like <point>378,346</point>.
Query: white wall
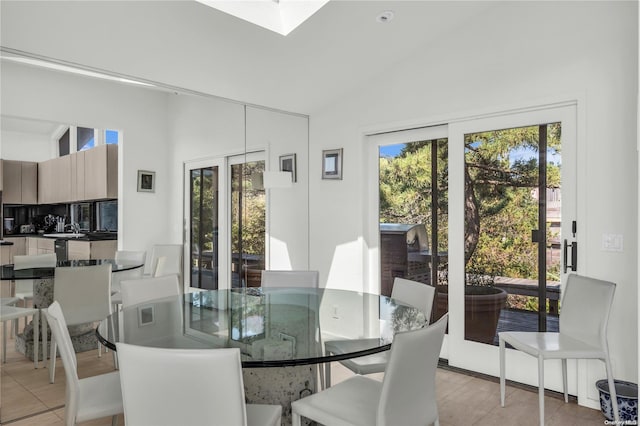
<point>521,54</point>
<point>207,128</point>
<point>141,116</point>
<point>22,146</point>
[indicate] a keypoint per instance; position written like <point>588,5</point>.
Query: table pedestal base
<point>279,385</point>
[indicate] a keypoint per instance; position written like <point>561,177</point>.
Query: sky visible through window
<point>111,137</point>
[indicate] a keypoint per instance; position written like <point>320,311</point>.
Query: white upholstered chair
<point>125,257</point>
<point>89,398</point>
<point>166,259</point>
<point>187,387</point>
<point>584,317</point>
<point>24,288</point>
<point>409,292</point>
<point>305,279</point>
<point>84,295</point>
<point>12,313</point>
<point>406,395</point>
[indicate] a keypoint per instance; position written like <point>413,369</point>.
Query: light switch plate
<point>612,242</point>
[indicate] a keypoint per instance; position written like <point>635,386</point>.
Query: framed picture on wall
<point>146,181</point>
<point>288,164</point>
<point>332,164</point>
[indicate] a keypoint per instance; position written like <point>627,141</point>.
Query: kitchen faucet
<point>74,227</point>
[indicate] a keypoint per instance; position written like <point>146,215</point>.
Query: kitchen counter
<point>90,236</point>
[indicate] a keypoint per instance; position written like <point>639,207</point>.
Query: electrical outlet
<point>612,242</point>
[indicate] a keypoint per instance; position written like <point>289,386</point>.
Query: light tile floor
<point>28,399</point>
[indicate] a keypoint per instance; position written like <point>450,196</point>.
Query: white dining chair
<point>303,279</point>
<point>126,257</point>
<point>166,259</point>
<point>406,395</point>
<point>409,292</point>
<point>187,387</point>
<point>143,290</point>
<point>24,288</point>
<point>84,294</point>
<point>13,313</point>
<point>88,398</point>
<point>584,317</point>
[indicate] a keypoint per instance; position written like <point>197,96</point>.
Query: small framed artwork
<point>146,315</point>
<point>288,164</point>
<point>332,164</point>
<point>146,181</point>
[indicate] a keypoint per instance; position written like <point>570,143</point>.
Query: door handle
<point>574,256</point>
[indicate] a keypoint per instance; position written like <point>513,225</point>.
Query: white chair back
<point>84,292</point>
<point>130,256</point>
<point>180,386</point>
<point>408,393</point>
<point>172,263</point>
<point>60,335</point>
<point>588,325</point>
<point>300,279</point>
<point>124,257</point>
<point>24,288</point>
<point>414,294</point>
<point>143,290</point>
<point>34,261</point>
<point>101,394</point>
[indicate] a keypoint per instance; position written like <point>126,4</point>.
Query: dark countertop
<point>90,236</point>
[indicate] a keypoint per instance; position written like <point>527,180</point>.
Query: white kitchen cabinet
<point>19,246</point>
<point>54,180</point>
<point>78,176</point>
<point>45,245</point>
<point>20,182</point>
<point>77,250</point>
<point>101,172</point>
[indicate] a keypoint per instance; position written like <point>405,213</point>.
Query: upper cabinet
<point>81,176</point>
<point>19,182</point>
<point>54,180</point>
<point>101,172</point>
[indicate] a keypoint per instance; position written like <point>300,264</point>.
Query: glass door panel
<point>512,230</point>
<point>248,219</point>
<point>413,214</point>
<point>204,239</point>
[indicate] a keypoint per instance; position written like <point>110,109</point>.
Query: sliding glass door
<point>225,222</point>
<point>512,186</point>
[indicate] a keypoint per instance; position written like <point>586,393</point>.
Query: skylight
<point>280,16</point>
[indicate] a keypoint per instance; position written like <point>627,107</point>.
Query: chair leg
<point>327,375</point>
<point>36,338</point>
<point>52,361</point>
<point>112,333</point>
<point>502,372</point>
<point>43,333</point>
<point>4,342</point>
<point>564,380</point>
<point>295,419</point>
<point>541,388</point>
<point>612,390</point>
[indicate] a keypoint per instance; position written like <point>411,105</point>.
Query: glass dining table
<point>280,332</point>
<point>43,285</point>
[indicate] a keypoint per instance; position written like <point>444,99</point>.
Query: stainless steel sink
<point>64,235</point>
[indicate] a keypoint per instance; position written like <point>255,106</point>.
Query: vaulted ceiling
<point>189,45</point>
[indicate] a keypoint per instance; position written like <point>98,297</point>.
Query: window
<point>63,144</point>
<point>107,215</point>
<point>111,137</point>
<point>86,138</point>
